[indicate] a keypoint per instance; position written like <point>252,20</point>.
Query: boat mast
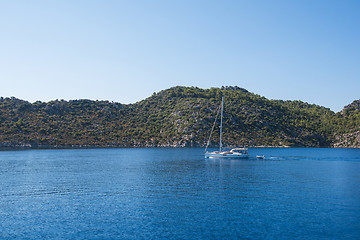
<point>221,123</point>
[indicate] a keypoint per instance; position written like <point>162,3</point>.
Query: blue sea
<point>161,193</point>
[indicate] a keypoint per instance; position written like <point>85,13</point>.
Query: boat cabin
<point>239,150</point>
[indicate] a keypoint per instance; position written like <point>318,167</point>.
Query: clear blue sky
<point>124,51</point>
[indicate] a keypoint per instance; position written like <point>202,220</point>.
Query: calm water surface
<point>177,194</point>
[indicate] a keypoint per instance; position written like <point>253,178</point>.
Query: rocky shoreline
<point>19,146</point>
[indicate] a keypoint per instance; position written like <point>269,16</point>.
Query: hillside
<point>176,117</point>
<point>346,132</point>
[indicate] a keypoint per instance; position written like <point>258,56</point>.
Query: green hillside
<point>176,117</point>
<point>346,126</point>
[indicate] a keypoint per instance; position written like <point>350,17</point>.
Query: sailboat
<point>223,153</point>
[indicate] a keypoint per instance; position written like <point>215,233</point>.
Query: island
<point>177,117</point>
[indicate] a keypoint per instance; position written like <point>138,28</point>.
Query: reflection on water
<point>177,193</point>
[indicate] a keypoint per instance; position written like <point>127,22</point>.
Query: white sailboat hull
<point>226,154</point>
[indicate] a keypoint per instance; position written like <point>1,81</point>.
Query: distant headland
<point>176,117</point>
